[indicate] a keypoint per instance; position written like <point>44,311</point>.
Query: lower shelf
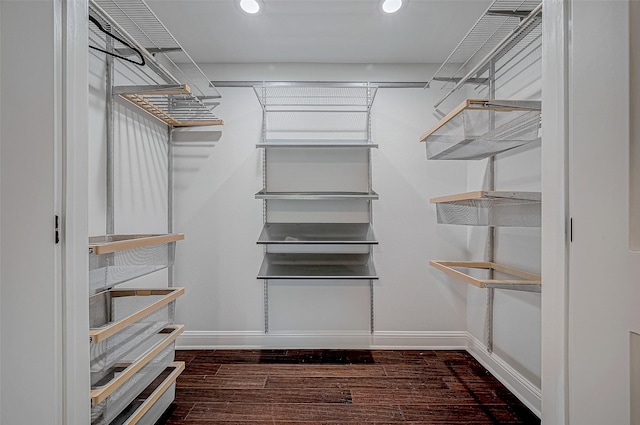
<point>149,406</point>
<point>126,380</point>
<point>524,281</point>
<point>317,266</point>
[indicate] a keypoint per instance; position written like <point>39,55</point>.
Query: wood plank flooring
<point>332,387</point>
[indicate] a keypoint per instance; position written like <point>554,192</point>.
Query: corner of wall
<point>520,386</point>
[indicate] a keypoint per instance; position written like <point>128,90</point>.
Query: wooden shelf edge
<point>101,394</point>
<point>98,335</point>
<point>134,242</point>
<point>471,104</point>
<point>526,278</point>
<point>490,195</point>
<point>157,393</point>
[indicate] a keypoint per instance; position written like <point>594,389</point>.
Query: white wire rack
<point>168,65</point>
<point>300,97</point>
<point>505,29</point>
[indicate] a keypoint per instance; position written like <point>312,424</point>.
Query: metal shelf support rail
<point>522,29</point>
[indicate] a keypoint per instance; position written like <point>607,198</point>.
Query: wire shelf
<point>307,97</point>
<point>500,34</point>
<point>167,63</point>
<point>466,132</point>
<point>114,259</point>
<point>506,209</point>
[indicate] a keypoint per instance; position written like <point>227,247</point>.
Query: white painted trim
<point>515,382</point>
<point>387,340</point>
<point>73,213</point>
<point>555,210</point>
<point>433,340</point>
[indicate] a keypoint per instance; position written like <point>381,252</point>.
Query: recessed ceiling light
<point>391,6</point>
<point>250,6</point>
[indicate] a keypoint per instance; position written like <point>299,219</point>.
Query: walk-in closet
<point>305,212</point>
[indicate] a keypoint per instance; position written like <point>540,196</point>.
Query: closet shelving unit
<point>309,115</point>
<point>131,331</point>
<point>481,128</point>
<point>180,94</point>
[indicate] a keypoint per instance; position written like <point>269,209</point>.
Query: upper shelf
<point>508,209</point>
<point>464,270</point>
<point>316,196</point>
<point>315,96</point>
<point>176,106</point>
<point>479,128</point>
<point>318,233</point>
<point>317,143</point>
<point>506,27</point>
<point>174,88</point>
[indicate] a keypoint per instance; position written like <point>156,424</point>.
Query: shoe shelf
<point>149,406</point>
<point>466,271</point>
<point>129,377</point>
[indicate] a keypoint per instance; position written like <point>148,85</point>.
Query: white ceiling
<point>320,31</point>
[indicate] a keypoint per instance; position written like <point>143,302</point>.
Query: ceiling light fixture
<point>250,6</point>
<point>391,6</point>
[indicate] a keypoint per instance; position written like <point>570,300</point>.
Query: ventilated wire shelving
<point>325,96</point>
<point>505,29</point>
<point>480,128</point>
<point>490,208</point>
<point>180,94</point>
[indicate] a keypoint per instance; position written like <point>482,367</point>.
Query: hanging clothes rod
<point>495,51</point>
<point>383,85</point>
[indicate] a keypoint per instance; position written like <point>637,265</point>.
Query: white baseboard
<point>521,387</point>
<point>208,340</point>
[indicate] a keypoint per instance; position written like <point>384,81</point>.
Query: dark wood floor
<point>305,387</point>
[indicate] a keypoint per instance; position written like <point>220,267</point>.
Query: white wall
<point>216,209</point>
<point>140,163</point>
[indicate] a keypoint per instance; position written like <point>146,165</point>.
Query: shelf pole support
<point>266,305</point>
<point>171,275</point>
<point>491,231</point>
<point>110,172</point>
